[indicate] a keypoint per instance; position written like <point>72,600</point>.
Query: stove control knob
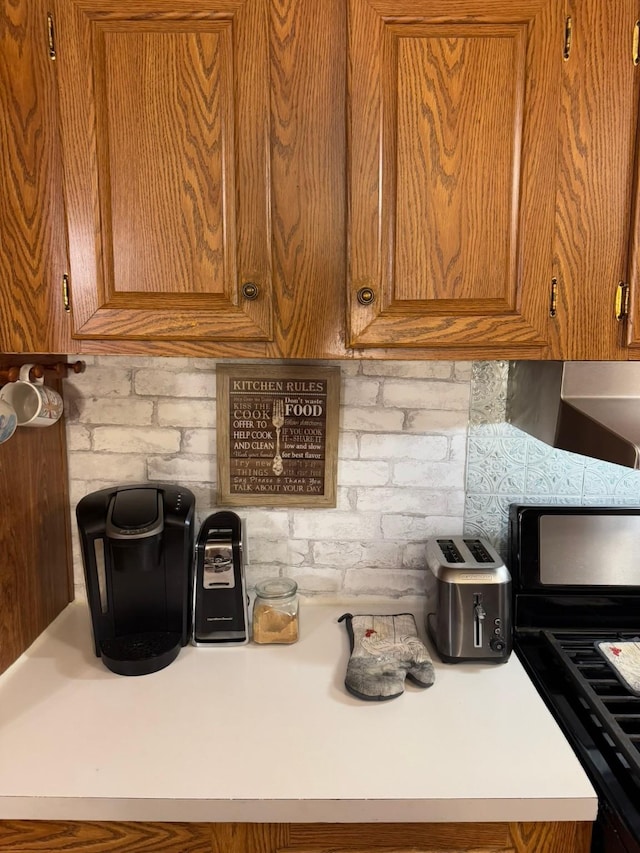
<point>497,644</point>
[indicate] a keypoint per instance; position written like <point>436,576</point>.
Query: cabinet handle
<point>568,35</point>
<point>366,296</point>
<point>66,297</point>
<point>636,43</point>
<point>250,290</point>
<point>553,301</point>
<point>622,301</point>
<point>51,40</point>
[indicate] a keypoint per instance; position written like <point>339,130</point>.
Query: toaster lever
<point>479,615</point>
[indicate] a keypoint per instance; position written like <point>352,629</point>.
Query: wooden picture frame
<point>277,435</point>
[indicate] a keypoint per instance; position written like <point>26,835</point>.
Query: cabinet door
<point>453,115</point>
<point>33,255</point>
<point>164,110</point>
<point>632,298</point>
<point>595,159</point>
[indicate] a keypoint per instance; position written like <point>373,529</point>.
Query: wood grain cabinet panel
<point>595,179</point>
<point>33,254</point>
<point>453,113</point>
<point>632,330</point>
<point>36,572</point>
<point>165,130</point>
<point>98,837</point>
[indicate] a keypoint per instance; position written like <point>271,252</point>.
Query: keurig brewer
<point>137,550</point>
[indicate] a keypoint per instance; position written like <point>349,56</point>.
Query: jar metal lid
<point>276,588</point>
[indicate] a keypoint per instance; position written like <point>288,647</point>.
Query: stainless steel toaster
<point>469,600</point>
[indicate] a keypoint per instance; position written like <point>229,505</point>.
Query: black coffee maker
<point>137,550</point>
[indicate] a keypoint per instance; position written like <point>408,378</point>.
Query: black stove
<point>566,599</point>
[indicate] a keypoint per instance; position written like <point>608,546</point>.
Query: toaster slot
<point>479,552</point>
<point>449,551</point>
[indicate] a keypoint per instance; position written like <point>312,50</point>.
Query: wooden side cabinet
<point>164,114</point>
<point>453,110</point>
<point>98,837</point>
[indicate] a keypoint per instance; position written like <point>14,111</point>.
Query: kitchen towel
<point>623,656</point>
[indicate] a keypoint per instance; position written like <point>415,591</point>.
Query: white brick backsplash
<point>409,369</point>
<point>100,381</point>
<point>199,441</point>
<point>326,524</point>
<point>311,580</point>
<point>458,448</point>
<point>420,527</point>
<point>400,474</point>
<point>366,473</point>
<point>195,469</point>
<point>164,383</point>
<point>372,420</point>
<point>454,502</point>
<point>187,413</point>
<point>438,421</point>
<point>140,361</point>
<point>256,572</point>
<point>462,371</point>
<point>265,524</point>
<point>414,556</point>
<point>111,467</point>
<point>426,395</point>
<point>404,446</point>
<point>358,391</point>
<point>80,488</point>
<point>272,551</point>
<point>136,439</point>
<point>129,412</point>
<point>337,553</point>
<point>432,475</point>
<point>78,437</point>
<point>345,499</point>
<point>348,446</point>
<point>77,490</point>
<point>385,583</point>
<point>401,500</point>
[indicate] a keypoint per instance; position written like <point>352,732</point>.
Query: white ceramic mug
<point>35,404</point>
<point>8,421</point>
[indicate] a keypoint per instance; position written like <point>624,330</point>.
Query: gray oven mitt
<point>384,651</point>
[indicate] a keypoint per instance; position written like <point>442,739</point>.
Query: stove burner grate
<point>614,709</point>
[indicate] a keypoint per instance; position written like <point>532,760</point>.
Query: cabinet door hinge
<point>636,44</point>
<point>66,297</point>
<point>553,299</point>
<point>51,36</point>
<point>568,36</point>
<point>622,300</point>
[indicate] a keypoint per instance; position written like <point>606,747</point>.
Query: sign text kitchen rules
<point>277,436</point>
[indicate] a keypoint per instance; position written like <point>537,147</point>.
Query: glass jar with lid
<point>275,611</point>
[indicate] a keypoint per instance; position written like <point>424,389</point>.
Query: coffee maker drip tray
<point>140,654</point>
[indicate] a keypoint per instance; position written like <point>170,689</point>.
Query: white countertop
<point>269,733</point>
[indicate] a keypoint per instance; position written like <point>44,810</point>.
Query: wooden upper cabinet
<point>599,98</point>
<point>33,251</point>
<point>631,300</point>
<point>165,130</point>
<point>453,117</point>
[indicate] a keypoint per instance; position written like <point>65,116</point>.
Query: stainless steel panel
<point>218,572</point>
<point>595,550</point>
<point>592,408</point>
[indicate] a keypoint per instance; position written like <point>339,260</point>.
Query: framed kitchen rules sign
<point>277,435</point>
